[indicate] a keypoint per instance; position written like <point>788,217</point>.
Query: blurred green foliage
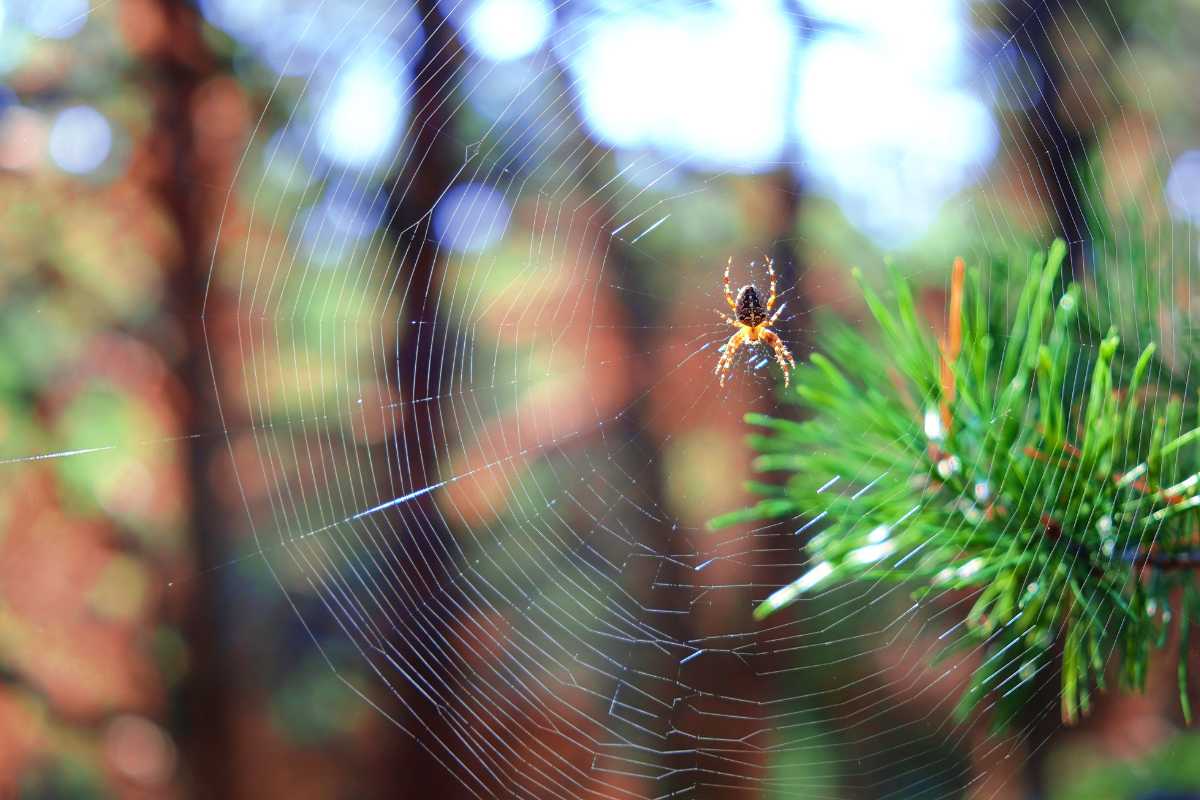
<point>1168,772</point>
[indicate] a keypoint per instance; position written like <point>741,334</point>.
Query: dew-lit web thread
<point>571,628</point>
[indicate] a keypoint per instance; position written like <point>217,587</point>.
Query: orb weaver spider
<point>753,321</point>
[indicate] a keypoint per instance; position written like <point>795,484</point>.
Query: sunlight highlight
<point>707,83</point>
<point>365,109</point>
<point>504,30</point>
<point>80,140</point>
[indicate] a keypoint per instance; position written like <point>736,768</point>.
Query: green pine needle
<point>1011,463</point>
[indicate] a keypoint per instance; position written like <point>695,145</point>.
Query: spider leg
<point>728,319</point>
<point>729,294</point>
<point>726,360</point>
<point>771,273</point>
<point>783,356</point>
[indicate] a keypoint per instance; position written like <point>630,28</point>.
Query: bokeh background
<point>288,284</point>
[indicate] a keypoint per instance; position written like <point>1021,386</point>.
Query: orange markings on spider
<point>753,321</point>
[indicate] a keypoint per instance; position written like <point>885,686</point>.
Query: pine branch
<point>1003,460</point>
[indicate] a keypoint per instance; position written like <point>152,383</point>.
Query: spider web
<point>472,413</point>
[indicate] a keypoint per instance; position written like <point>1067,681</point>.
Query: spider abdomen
<point>750,309</point>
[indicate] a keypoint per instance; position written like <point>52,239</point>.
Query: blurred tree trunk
<point>428,172</point>
<point>179,67</point>
<point>1057,148</point>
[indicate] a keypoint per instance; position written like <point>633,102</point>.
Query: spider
<point>753,324</point>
